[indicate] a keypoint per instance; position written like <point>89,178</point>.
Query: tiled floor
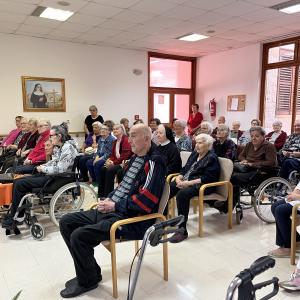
<point>199,268</point>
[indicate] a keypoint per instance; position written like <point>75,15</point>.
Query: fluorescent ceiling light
<point>56,14</point>
<point>192,37</point>
<point>288,7</point>
<point>291,9</point>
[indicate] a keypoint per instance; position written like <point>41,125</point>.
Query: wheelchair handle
<point>172,222</point>
<point>260,265</point>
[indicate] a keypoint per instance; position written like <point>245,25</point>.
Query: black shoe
<point>221,206</point>
<point>179,237</point>
<point>76,290</point>
<point>75,281</point>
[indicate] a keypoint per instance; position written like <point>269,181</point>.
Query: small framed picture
<point>43,94</point>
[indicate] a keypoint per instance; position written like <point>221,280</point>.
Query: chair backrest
<point>226,166</point>
<point>184,157</point>
<point>164,198</point>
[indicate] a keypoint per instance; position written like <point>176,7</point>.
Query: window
<point>280,90</point>
<point>171,86</point>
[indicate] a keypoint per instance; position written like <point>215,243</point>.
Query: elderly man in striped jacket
<point>138,194</point>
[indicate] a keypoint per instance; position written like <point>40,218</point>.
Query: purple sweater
<point>10,137</point>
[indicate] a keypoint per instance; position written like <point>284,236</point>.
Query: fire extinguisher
<point>213,107</point>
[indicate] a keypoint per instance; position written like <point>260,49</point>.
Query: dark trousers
<point>9,162</point>
<point>183,197</point>
<point>24,185</point>
<point>107,180</point>
<point>282,212</point>
<point>289,165</point>
<point>81,163</point>
<point>25,169</point>
<point>239,179</point>
<point>94,168</point>
<point>82,232</point>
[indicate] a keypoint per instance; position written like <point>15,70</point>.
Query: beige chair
<point>224,191</point>
<point>111,244</point>
<point>295,223</point>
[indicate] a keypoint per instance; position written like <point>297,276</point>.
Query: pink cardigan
<point>10,137</point>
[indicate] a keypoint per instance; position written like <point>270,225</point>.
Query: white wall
<point>93,75</point>
<point>232,72</point>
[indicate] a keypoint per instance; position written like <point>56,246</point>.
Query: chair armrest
<point>212,184</point>
<point>170,177</point>
<point>119,223</point>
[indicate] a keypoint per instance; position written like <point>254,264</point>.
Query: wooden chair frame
<point>171,210</point>
<point>295,223</point>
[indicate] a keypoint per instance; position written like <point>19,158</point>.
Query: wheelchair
<point>61,194</point>
<point>253,188</point>
<point>272,190</point>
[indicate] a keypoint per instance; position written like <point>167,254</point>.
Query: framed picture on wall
<point>43,94</point>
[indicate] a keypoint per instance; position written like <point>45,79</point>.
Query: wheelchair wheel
<point>270,191</point>
<point>37,231</point>
<point>71,198</point>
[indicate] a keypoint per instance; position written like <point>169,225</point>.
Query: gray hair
<point>277,122</point>
<point>93,107</point>
<point>181,123</point>
<point>206,138</point>
<point>62,130</point>
<point>236,122</point>
<point>122,127</point>
<point>34,121</point>
<point>44,121</point>
<point>224,127</point>
<point>209,127</point>
<point>98,124</point>
<point>258,129</point>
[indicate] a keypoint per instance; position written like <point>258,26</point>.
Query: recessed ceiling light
<point>192,37</point>
<point>52,13</point>
<point>288,7</point>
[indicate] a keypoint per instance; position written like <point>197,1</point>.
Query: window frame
<point>268,66</point>
<point>172,91</point>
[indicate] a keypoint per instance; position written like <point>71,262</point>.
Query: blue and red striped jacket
<point>146,189</point>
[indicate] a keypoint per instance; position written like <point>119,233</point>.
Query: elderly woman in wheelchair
<point>256,162</point>
<point>64,153</point>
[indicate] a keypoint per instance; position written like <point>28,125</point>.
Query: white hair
<point>207,139</point>
<point>209,127</point>
<point>278,123</point>
<point>181,123</point>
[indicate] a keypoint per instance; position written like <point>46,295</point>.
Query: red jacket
<point>279,142</point>
<point>38,153</point>
<point>125,151</point>
<point>193,122</point>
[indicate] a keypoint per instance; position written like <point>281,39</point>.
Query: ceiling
<point>154,25</point>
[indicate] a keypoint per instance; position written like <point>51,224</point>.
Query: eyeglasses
<point>40,126</point>
<point>52,135</point>
<point>93,110</point>
<point>104,128</point>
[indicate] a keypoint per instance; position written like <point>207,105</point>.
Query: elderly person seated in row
<point>277,137</point>
<point>223,146</point>
<point>25,146</point>
<point>182,140</point>
<point>12,148</point>
<point>167,148</point>
<point>221,121</point>
<point>282,211</point>
<point>64,153</point>
<point>235,132</point>
<point>125,123</point>
<point>121,151</point>
<point>246,137</point>
<point>290,153</point>
<point>138,194</point>
<point>104,150</point>
<point>202,167</point>
<point>9,139</point>
<point>93,137</point>
<point>256,154</point>
<point>37,155</point>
